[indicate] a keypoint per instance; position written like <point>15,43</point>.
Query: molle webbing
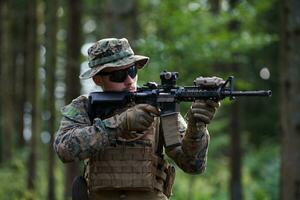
<point>127,168</point>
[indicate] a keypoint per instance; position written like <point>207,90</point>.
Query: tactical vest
<point>134,165</point>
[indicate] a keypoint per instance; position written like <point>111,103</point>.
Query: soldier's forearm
<point>192,155</point>
<point>77,142</point>
<point>189,164</point>
<point>196,140</point>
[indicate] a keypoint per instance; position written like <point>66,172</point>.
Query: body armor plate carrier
<point>129,168</point>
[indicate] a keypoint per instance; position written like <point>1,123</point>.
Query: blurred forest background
<point>254,149</point>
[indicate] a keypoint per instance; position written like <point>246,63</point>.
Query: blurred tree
<point>215,6</point>
<point>51,53</point>
<point>7,79</point>
<point>18,53</point>
<point>235,139</point>
<point>32,87</point>
<point>120,19</point>
<point>235,152</point>
<point>73,46</point>
<point>1,59</point>
<point>290,98</point>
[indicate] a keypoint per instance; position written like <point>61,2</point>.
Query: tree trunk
<point>19,34</point>
<point>235,140</point>
<point>72,73</point>
<point>51,49</point>
<point>120,19</point>
<point>1,64</point>
<point>290,98</point>
<point>32,67</point>
<point>13,60</point>
<point>235,153</point>
<point>7,80</point>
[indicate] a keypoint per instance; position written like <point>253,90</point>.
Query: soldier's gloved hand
<point>138,118</point>
<point>204,111</point>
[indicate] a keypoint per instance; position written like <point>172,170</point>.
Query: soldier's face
<point>118,80</point>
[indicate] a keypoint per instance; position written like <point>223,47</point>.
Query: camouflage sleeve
<point>191,156</point>
<point>77,138</point>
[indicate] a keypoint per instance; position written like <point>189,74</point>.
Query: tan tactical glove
<point>204,111</point>
<point>137,118</point>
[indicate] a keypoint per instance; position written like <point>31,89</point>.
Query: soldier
<point>124,152</point>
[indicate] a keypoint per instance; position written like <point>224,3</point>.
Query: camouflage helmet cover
<point>112,53</point>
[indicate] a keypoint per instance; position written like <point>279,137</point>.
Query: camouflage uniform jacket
<point>78,138</point>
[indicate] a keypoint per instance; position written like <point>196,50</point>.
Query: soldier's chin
<point>130,89</point>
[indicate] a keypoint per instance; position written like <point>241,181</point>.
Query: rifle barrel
<point>262,93</point>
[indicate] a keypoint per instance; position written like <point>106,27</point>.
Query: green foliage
<point>262,181</point>
<point>13,176</point>
<point>14,173</point>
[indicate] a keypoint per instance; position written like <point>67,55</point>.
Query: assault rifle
<point>165,96</point>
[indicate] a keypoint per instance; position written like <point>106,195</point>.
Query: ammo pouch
<point>129,168</point>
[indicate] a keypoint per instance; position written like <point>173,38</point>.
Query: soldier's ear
<point>98,80</point>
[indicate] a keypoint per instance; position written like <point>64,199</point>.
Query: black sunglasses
<point>120,76</point>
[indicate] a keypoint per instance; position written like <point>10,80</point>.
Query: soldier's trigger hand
<point>204,111</point>
<point>138,118</point>
<point>148,108</point>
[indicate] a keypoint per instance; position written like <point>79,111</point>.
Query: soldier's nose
<point>128,80</point>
